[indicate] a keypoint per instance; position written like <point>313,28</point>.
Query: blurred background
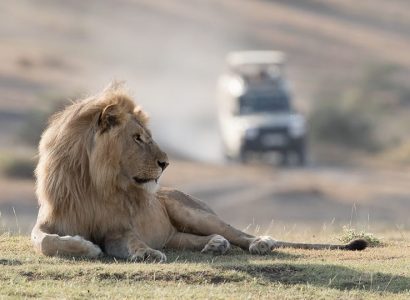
<point>348,68</point>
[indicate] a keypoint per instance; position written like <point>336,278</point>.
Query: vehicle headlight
<point>297,126</point>
<point>251,133</point>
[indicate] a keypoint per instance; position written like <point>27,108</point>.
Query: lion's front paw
<point>72,245</point>
<point>262,245</point>
<point>217,245</point>
<point>148,255</point>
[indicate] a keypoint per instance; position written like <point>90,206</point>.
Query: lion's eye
<point>137,138</point>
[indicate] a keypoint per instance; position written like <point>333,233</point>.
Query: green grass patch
<point>284,274</point>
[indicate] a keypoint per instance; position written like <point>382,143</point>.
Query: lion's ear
<point>109,118</point>
<point>141,115</point>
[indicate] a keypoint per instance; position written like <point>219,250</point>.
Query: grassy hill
<point>375,273</point>
<point>349,52</point>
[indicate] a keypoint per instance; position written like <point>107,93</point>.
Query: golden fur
<point>97,186</point>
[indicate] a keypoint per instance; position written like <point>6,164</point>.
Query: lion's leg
<point>214,244</point>
<point>129,246</point>
<point>55,245</point>
<point>193,216</point>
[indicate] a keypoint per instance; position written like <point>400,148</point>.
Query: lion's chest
<point>153,225</point>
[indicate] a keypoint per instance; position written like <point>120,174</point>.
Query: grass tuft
<point>349,234</point>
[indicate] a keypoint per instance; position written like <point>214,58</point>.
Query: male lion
<point>97,186</point>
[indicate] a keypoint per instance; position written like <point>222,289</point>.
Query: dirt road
<point>257,195</point>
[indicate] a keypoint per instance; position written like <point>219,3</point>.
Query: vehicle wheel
<point>226,154</point>
<point>301,156</point>
<point>284,161</point>
<point>228,157</point>
<point>243,157</point>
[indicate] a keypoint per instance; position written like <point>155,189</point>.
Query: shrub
<point>355,117</point>
<point>399,154</point>
<point>19,167</point>
<point>343,123</point>
<point>37,119</point>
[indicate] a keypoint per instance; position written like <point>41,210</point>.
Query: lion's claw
<point>148,255</point>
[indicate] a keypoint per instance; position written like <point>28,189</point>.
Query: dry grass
<point>285,274</point>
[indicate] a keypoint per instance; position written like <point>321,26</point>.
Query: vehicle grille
<point>258,143</point>
<point>271,130</point>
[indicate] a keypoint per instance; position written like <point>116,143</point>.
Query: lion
<point>97,184</point>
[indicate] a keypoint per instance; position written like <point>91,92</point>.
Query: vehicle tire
<point>226,154</point>
<point>284,160</point>
<point>301,156</point>
<point>243,157</point>
<point>228,158</point>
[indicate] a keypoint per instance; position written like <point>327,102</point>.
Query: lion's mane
<point>75,175</point>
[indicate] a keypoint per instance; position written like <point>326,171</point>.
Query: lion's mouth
<point>145,180</point>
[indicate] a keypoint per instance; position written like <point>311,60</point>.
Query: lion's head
<point>98,146</point>
<point>123,148</point>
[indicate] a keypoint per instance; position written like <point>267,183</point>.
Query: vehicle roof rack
<point>238,58</point>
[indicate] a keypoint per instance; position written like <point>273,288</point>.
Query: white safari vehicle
<point>255,108</point>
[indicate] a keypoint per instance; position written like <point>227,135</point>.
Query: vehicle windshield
<point>275,101</point>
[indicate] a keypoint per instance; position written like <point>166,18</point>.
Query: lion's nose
<point>162,164</point>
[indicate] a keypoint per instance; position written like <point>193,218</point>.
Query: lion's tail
<point>56,245</point>
<point>358,244</point>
